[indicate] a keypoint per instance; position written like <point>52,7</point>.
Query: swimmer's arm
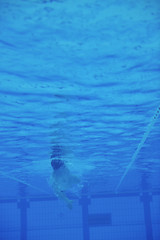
<point>63,196</point>
<point>59,193</point>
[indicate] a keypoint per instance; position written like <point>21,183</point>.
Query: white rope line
<point>21,181</point>
<point>140,145</point>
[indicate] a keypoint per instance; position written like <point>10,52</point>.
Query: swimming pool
<point>83,75</point>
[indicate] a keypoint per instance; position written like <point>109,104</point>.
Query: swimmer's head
<point>56,164</point>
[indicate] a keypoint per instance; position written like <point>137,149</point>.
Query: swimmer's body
<point>62,179</point>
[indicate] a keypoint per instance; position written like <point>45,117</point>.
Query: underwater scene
<point>79,120</point>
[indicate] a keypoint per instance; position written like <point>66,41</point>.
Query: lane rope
<point>21,181</point>
<point>140,145</point>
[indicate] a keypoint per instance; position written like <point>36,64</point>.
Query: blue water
<point>84,75</point>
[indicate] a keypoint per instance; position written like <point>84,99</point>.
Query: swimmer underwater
<point>62,178</point>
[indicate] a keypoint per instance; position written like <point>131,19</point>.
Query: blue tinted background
<point>83,74</point>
